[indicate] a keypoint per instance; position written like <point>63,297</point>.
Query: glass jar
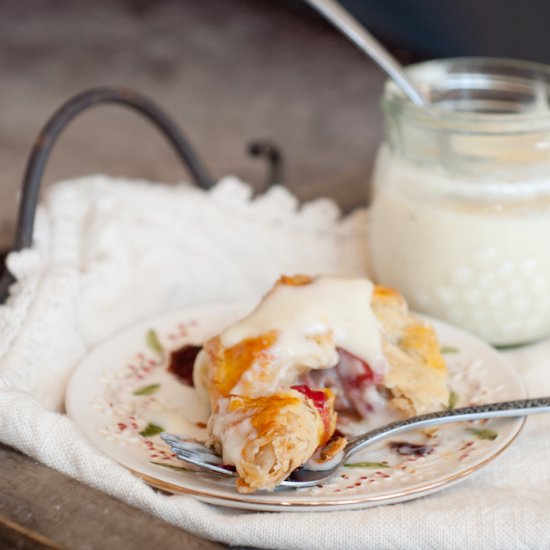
<point>460,214</point>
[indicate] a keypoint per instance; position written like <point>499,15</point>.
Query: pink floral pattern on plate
<point>123,397</point>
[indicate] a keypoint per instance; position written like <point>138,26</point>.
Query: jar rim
<point>488,95</point>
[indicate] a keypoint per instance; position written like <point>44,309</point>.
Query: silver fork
<point>194,452</point>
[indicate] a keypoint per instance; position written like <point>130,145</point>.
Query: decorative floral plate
<point>122,396</point>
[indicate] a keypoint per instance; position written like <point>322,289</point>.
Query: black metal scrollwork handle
<point>267,149</point>
<point>67,112</point>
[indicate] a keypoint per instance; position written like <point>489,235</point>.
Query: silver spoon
<point>194,452</point>
<point>362,38</point>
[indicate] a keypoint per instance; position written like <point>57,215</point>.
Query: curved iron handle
<point>268,150</point>
<point>53,128</point>
<point>66,113</point>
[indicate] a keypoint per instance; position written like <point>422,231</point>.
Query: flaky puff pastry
<point>417,375</point>
<point>249,363</point>
<point>256,428</point>
<point>266,438</point>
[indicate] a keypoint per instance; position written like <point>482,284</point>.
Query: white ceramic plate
<point>121,388</point>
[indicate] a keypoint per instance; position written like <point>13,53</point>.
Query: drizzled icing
<point>311,322</point>
<point>234,429</point>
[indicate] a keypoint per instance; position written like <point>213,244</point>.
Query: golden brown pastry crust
<point>417,374</point>
<point>288,427</point>
<point>227,365</point>
<point>280,432</point>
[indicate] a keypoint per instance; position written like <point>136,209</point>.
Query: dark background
<point>228,71</point>
<point>452,28</point>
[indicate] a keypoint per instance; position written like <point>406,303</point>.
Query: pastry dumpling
<point>313,346</point>
<point>268,437</point>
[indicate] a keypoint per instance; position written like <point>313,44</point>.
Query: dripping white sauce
<point>311,321</point>
<point>317,466</point>
<point>234,430</point>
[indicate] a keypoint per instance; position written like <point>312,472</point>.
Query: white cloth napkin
<point>111,252</point>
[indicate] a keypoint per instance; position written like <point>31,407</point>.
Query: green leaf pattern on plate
<point>170,466</point>
<point>153,342</point>
<point>147,390</point>
<point>490,435</point>
<point>151,430</point>
<point>453,400</point>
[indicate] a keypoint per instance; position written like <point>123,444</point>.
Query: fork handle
<point>521,407</point>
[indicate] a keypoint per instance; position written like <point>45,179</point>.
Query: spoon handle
<point>521,407</point>
<point>349,26</point>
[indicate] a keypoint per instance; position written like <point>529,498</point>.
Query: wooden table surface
<point>43,509</point>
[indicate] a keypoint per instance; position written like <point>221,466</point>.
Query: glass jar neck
<point>489,119</point>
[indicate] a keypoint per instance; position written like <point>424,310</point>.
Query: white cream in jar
<point>460,216</point>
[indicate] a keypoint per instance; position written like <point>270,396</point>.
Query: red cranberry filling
<point>349,380</point>
<point>182,361</point>
<point>410,449</point>
<point>364,374</point>
<point>357,376</point>
<point>320,401</point>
